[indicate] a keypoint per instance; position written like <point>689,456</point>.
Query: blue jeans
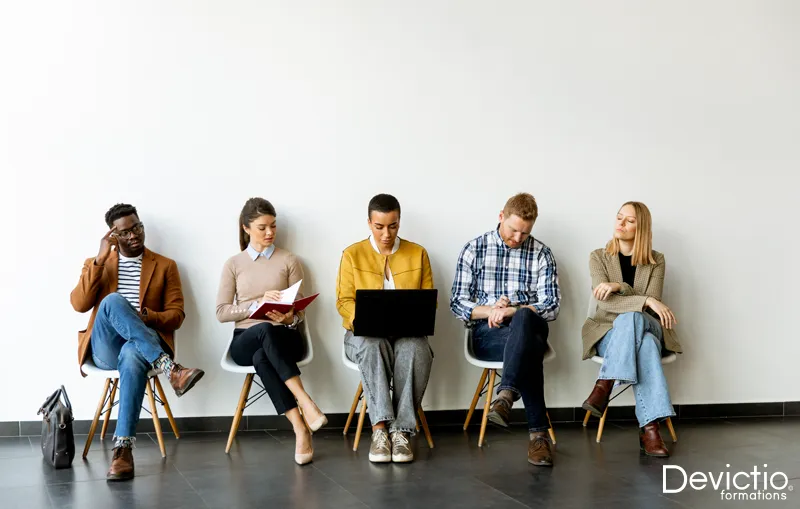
<point>631,353</point>
<point>521,345</point>
<point>121,341</point>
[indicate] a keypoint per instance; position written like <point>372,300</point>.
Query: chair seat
<point>347,362</point>
<point>90,368</point>
<point>548,356</point>
<point>227,363</point>
<point>667,359</point>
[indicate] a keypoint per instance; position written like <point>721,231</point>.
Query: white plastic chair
<point>490,369</point>
<point>107,403</point>
<point>667,359</point>
<point>245,400</point>
<point>360,396</point>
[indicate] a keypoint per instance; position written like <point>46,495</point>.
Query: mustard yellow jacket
<point>361,268</point>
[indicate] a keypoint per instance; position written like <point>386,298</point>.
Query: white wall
<point>186,109</point>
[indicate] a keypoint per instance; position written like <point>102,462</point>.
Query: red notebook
<point>298,305</point>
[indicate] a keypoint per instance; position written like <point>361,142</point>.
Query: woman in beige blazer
<point>631,328</point>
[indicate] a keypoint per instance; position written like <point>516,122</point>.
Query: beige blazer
<point>649,282</point>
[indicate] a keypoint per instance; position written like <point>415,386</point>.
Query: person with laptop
<point>384,261</point>
<point>506,290</point>
<point>259,273</point>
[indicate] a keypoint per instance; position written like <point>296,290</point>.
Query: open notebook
<point>288,301</point>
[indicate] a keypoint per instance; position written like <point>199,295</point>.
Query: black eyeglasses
<point>136,230</point>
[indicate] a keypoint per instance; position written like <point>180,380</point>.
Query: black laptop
<point>395,313</point>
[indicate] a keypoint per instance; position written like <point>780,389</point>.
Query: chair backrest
<point>592,306</point>
<point>305,330</point>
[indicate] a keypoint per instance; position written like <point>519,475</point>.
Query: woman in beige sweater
<point>259,273</point>
<point>631,328</point>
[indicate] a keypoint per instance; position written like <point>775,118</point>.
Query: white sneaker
<point>380,450</point>
<point>401,452</point>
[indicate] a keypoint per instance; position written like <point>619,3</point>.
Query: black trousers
<point>274,351</point>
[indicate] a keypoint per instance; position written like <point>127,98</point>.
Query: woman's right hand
<point>668,320</point>
<point>271,296</point>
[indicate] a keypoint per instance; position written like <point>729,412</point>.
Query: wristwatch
<point>295,321</point>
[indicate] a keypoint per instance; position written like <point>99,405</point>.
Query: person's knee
<point>131,361</point>
<point>632,317</point>
<point>112,302</point>
<point>417,349</point>
<point>527,317</point>
<point>375,347</point>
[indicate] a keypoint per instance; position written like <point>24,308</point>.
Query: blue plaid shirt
<point>488,269</point>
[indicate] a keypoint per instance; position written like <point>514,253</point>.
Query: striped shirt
<point>130,273</point>
<point>487,269</point>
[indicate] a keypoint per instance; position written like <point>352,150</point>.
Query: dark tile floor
<point>260,472</point>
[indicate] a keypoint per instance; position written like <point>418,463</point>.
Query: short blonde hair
<point>642,240</point>
<point>522,205</point>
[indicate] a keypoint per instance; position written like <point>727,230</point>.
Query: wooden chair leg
<point>360,426</point>
<point>156,422</point>
<point>475,398</point>
<point>551,430</point>
<point>353,408</point>
<point>93,427</point>
<point>671,430</point>
<point>485,418</point>
<point>425,428</point>
<point>108,409</point>
<point>602,425</point>
<point>165,404</point>
<point>237,416</point>
<point>586,419</point>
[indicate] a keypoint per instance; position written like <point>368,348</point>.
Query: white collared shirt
<point>388,284</point>
<point>267,253</point>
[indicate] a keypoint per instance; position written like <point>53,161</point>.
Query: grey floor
<point>260,472</point>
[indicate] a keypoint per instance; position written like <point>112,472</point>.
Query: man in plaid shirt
<point>506,289</point>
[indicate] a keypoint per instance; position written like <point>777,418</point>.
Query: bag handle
<point>48,403</point>
<point>66,398</point>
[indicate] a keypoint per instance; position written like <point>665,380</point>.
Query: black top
<point>628,269</point>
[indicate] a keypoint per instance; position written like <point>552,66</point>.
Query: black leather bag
<point>58,442</point>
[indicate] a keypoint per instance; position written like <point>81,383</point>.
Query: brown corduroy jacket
<point>159,292</point>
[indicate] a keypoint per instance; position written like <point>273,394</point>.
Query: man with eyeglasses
<point>137,304</point>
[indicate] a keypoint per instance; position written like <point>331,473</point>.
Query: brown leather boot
<point>182,379</point>
<point>650,441</point>
<point>598,399</point>
<point>539,453</point>
<point>500,412</point>
<point>121,465</point>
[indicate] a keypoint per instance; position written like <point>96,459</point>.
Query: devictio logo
<point>754,485</point>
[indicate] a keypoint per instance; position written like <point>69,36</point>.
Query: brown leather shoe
<point>539,453</point>
<point>121,465</point>
<point>598,399</point>
<point>500,412</point>
<point>182,379</point>
<point>651,443</point>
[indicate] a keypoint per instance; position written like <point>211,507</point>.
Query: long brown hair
<point>252,210</point>
<point>642,240</point>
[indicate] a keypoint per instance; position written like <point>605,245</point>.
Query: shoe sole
<point>495,418</point>
<point>402,459</point>
<point>380,459</point>
<point>119,478</point>
<point>595,411</point>
<point>653,455</point>
<point>540,464</point>
<point>192,381</point>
